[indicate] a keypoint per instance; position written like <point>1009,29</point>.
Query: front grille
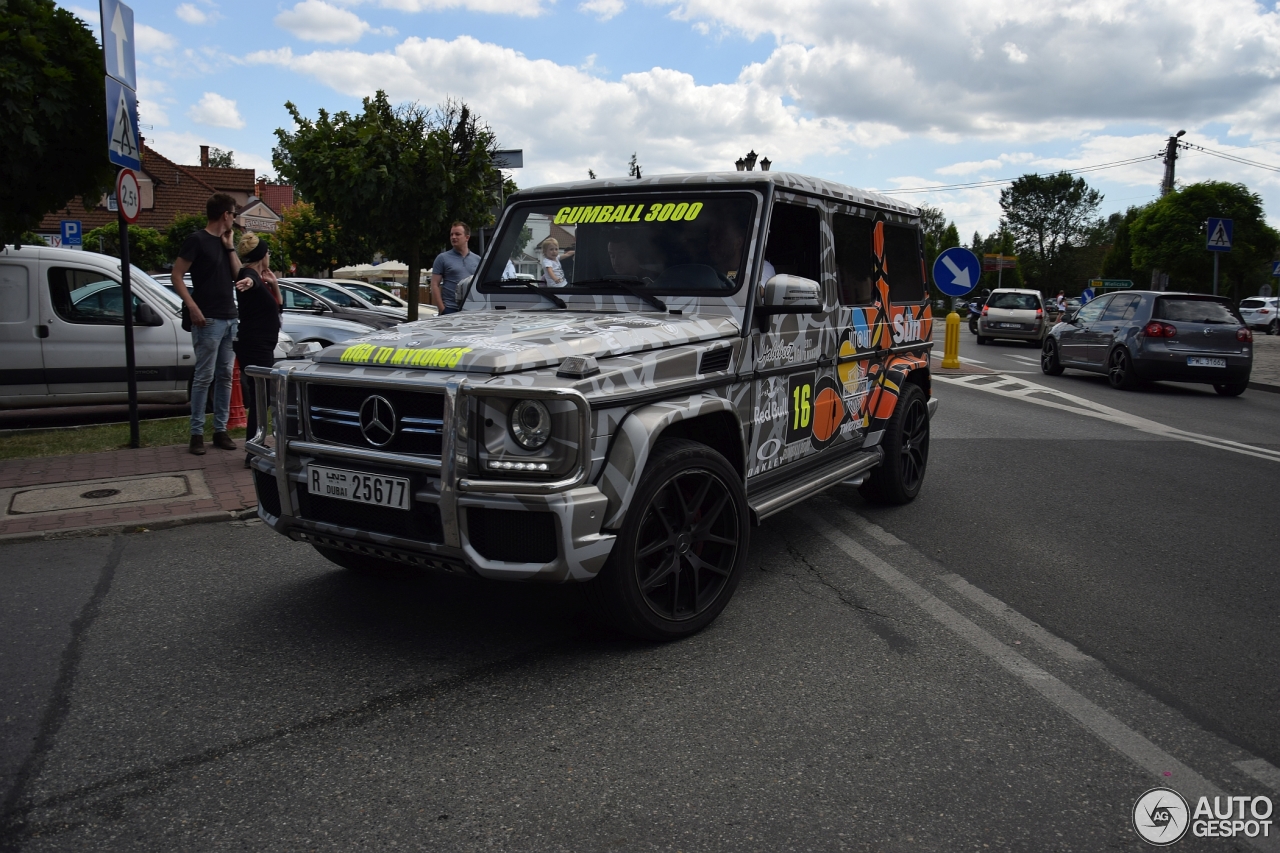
<point>268,492</point>
<point>421,522</point>
<point>333,412</point>
<point>513,536</point>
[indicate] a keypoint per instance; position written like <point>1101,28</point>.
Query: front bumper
<point>515,530</point>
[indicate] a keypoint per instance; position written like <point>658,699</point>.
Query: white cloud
<point>603,9</point>
<point>521,8</point>
<point>672,122</point>
<point>985,166</point>
<point>1015,55</point>
<point>151,40</point>
<point>184,148</point>
<point>191,15</point>
<point>216,111</point>
<point>316,20</point>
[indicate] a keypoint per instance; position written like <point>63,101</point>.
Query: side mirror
<point>304,350</point>
<point>462,291</point>
<point>790,294</point>
<point>147,316</point>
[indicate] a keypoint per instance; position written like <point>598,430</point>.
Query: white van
<point>62,332</point>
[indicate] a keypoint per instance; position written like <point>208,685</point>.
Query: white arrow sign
<point>122,36</point>
<point>961,275</point>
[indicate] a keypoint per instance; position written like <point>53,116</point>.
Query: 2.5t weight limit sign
<point>128,195</point>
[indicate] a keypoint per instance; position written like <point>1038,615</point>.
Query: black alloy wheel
<point>1050,363</point>
<point>1120,371</point>
<point>899,477</point>
<point>1230,389</point>
<point>682,548</point>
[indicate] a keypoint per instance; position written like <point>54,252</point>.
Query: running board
<point>788,494</point>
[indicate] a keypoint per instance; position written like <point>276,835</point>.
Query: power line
<point>1231,157</point>
<point>999,181</point>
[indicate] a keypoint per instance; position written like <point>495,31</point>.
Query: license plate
<point>1198,361</point>
<point>358,486</point>
<point>1009,325</point>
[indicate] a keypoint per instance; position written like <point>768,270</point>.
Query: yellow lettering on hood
<point>428,357</point>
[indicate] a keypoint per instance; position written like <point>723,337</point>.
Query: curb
<point>133,527</point>
<point>1264,386</point>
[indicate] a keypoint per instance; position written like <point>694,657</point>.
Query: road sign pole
<point>126,292</point>
<point>1215,273</point>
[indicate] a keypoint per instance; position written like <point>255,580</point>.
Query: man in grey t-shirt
<point>451,267</point>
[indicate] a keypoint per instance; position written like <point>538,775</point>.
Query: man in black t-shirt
<point>210,256</point>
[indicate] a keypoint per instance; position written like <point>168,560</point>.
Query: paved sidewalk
<point>1266,362</point>
<point>121,490</point>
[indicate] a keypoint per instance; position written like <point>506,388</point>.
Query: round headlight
<point>530,424</point>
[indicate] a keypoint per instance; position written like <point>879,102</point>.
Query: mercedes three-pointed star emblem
<point>377,420</point>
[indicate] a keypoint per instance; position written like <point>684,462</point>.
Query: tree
<point>219,159</point>
<point>51,111</point>
<point>316,243</point>
<point>147,246</point>
<point>394,175</point>
<point>1048,216</point>
<point>939,235</point>
<point>1118,262</point>
<point>182,227</point>
<point>1169,235</point>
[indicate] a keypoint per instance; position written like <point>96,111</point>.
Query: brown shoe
<point>222,441</point>
<point>197,445</point>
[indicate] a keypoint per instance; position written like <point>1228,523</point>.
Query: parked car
<point>1012,314</point>
<point>624,431</point>
<point>299,300</point>
<point>1262,312</point>
<point>374,294</point>
<point>1139,336</point>
<point>339,294</point>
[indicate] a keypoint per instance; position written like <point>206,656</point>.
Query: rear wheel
<point>906,451</point>
<point>982,340</point>
<point>1274,328</point>
<point>1230,389</point>
<point>1120,371</point>
<point>973,325</point>
<point>1050,363</point>
<point>682,548</point>
<point>373,567</point>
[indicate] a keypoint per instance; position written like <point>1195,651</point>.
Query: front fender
<point>634,441</point>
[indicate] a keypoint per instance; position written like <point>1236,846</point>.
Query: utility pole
<point>1160,280</point>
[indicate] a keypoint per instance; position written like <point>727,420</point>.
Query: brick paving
<point>229,482</point>
<point>1266,362</point>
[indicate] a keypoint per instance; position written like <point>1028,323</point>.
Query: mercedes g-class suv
<point>719,348</point>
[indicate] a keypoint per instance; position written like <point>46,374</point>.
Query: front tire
<point>906,451</point>
<point>682,548</point>
<point>1274,328</point>
<point>1050,363</point>
<point>1230,389</point>
<point>1120,372</point>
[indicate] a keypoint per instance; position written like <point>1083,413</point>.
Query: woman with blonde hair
<point>259,306</point>
<point>552,272</point>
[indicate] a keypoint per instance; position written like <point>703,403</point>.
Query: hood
<point>508,341</point>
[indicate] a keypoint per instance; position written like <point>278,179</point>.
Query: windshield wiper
<point>624,282</point>
<point>533,288</point>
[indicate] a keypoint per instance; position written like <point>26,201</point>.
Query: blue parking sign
<point>72,233</point>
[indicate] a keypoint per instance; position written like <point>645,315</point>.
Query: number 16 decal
<point>800,424</point>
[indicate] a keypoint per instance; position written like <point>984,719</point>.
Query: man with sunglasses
<point>210,256</point>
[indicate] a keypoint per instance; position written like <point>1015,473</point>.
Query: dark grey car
<point>1142,336</point>
<point>299,300</point>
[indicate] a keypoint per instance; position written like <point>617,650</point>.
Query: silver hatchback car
<point>1013,314</point>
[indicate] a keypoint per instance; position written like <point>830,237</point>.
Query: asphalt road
<point>1082,604</point>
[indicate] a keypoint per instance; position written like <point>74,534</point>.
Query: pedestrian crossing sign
<point>1219,231</point>
<point>122,126</point>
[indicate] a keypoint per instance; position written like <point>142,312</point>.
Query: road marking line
<point>940,356</point>
<point>1106,727</point>
<point>871,529</point>
<point>1261,769</point>
<point>1016,620</point>
<point>1088,408</point>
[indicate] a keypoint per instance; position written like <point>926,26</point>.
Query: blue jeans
<point>215,363</point>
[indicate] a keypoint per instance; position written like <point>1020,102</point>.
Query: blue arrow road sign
<point>117,42</point>
<point>956,271</point>
<point>1219,231</point>
<point>122,126</point>
<point>71,232</point>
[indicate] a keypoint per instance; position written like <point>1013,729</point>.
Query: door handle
<point>42,331</point>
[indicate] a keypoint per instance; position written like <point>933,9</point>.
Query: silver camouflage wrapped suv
<point>719,347</point>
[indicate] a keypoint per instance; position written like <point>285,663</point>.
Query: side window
<point>1093,310</point>
<point>86,297</point>
<point>1121,307</point>
<point>795,246</point>
<point>337,296</point>
<point>903,264</point>
<point>853,258</point>
<point>295,299</point>
<point>14,302</point>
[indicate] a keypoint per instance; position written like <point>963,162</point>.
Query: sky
<point>890,95</point>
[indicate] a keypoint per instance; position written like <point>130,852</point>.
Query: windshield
<point>374,295</point>
<point>681,243</point>
<point>1015,301</point>
<point>1194,311</point>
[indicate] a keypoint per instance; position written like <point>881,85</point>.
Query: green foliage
<point>1051,219</point>
<point>147,246</point>
<point>182,227</point>
<point>52,112</point>
<point>396,176</point>
<point>219,159</point>
<point>999,242</point>
<point>315,242</point>
<point>939,235</point>
<point>1169,235</point>
<point>1118,262</point>
<point>31,238</point>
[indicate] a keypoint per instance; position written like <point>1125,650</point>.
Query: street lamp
<point>748,163</point>
<point>765,164</point>
<point>741,164</point>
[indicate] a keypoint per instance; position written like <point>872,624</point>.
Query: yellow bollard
<point>951,349</point>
